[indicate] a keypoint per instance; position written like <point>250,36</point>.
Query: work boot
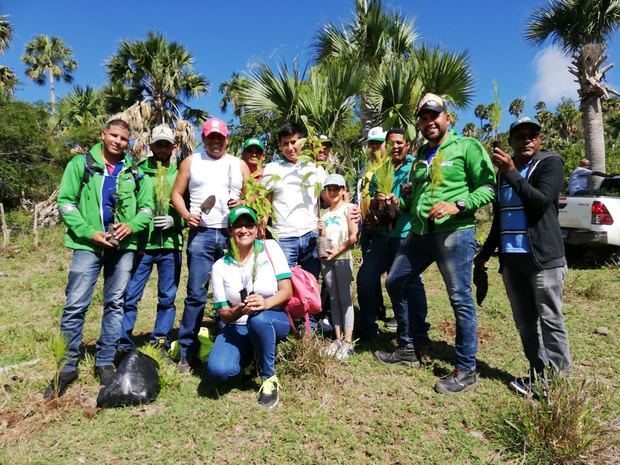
<point>401,356</point>
<point>64,380</point>
<point>456,382</point>
<point>105,374</point>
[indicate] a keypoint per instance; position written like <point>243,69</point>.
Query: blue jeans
<point>168,264</point>
<point>410,309</point>
<point>302,250</point>
<point>204,247</point>
<point>83,274</point>
<point>454,253</point>
<point>235,346</point>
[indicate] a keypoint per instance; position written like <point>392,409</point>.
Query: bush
<point>567,427</point>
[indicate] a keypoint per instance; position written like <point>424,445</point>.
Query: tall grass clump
<point>305,357</point>
<point>568,427</point>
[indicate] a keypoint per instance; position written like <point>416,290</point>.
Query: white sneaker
<point>333,348</point>
<point>345,351</point>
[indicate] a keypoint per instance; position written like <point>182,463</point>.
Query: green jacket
<point>156,238</point>
<point>461,169</point>
<point>83,219</point>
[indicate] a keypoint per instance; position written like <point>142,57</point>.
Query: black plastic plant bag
<point>135,382</point>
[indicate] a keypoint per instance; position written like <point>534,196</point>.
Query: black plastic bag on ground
<point>135,382</point>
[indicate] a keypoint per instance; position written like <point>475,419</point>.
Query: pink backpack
<point>306,298</point>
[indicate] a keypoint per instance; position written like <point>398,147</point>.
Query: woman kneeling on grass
<point>251,285</point>
<point>341,232</point>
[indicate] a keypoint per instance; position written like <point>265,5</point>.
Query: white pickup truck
<point>592,220</point>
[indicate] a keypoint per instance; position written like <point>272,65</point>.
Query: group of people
<point>115,222</point>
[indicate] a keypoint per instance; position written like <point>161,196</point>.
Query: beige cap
<point>431,102</point>
<point>162,132</point>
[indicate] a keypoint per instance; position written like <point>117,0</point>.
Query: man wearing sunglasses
<point>451,178</point>
<point>527,232</point>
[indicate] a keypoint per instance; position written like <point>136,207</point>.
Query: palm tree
<point>371,39</point>
<point>540,106</point>
<point>83,106</point>
<point>516,107</point>
<point>567,117</point>
<point>7,76</point>
<point>470,130</point>
<point>324,95</point>
<point>160,73</point>
<point>482,113</point>
<point>581,28</point>
<point>231,93</point>
<point>48,58</point>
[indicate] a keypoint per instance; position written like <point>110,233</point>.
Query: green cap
<point>253,141</point>
<point>240,211</point>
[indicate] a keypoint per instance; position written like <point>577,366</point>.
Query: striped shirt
<point>512,218</point>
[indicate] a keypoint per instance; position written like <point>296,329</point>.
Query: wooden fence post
<point>35,225</point>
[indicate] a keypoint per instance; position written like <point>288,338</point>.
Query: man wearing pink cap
<point>213,179</point>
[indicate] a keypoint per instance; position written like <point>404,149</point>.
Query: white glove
<point>163,222</point>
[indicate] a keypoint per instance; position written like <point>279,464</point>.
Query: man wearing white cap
<point>213,179</point>
<point>162,247</point>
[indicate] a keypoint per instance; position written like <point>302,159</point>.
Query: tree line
<point>370,70</point>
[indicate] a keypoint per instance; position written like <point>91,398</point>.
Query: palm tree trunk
<point>370,117</point>
<point>592,112</point>
<point>52,94</point>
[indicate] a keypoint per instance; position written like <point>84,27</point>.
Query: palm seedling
<point>58,347</point>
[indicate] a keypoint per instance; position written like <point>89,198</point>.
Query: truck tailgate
<point>575,212</point>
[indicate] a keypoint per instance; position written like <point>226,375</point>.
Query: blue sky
<point>229,36</point>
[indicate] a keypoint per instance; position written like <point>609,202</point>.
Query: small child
<point>336,227</point>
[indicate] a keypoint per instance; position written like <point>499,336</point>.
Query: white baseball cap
<point>376,134</point>
<point>162,132</point>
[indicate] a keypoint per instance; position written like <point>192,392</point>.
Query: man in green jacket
<point>451,178</point>
<point>163,247</point>
<point>104,201</point>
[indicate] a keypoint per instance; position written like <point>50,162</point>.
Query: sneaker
<point>401,356</point>
<point>391,324</point>
<point>183,366</point>
<point>528,388</point>
<point>64,380</point>
<point>105,374</point>
<point>333,348</point>
<point>456,382</point>
<point>268,394</point>
<point>345,351</point>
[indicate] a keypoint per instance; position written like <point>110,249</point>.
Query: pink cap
<point>214,125</point>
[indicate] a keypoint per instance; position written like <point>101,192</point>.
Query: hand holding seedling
<point>254,303</point>
<point>121,231</point>
<point>101,238</point>
<point>502,160</point>
<point>441,209</point>
<point>387,198</point>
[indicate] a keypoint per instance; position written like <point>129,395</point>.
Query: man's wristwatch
<point>461,205</point>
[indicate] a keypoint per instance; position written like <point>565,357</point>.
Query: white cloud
<point>553,81</point>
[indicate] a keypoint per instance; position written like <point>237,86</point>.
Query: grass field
<point>363,412</point>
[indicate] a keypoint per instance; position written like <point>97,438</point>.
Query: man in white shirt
<point>294,195</point>
<point>213,179</point>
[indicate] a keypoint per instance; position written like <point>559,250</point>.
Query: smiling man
<point>213,179</point>
<point>295,200</point>
<point>527,232</point>
<point>104,200</point>
<point>451,178</point>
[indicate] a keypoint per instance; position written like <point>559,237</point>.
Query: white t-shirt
<point>221,178</point>
<point>229,277</point>
<point>294,195</point>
